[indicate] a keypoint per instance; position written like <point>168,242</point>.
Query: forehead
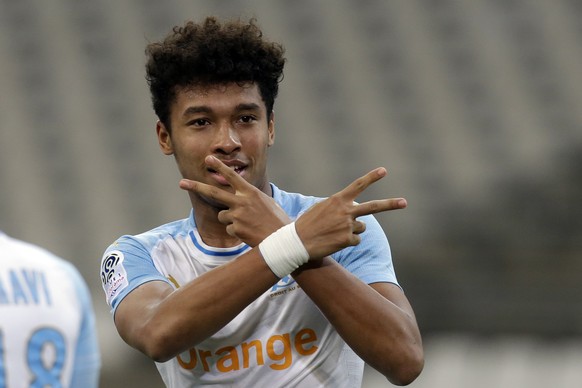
<point>217,96</point>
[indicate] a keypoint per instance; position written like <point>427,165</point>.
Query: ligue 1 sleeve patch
<point>113,275</point>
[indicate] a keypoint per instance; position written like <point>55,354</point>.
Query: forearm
<point>195,311</point>
<point>382,333</point>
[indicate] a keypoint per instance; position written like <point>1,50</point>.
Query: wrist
<point>283,251</point>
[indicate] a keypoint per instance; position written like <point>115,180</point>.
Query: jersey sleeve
<point>371,260</point>
<point>87,358</point>
<point>126,264</point>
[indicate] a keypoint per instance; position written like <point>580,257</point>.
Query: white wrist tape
<point>284,251</point>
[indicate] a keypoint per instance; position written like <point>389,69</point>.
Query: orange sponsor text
<point>277,353</point>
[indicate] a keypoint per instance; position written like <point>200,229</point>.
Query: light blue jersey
<point>48,336</point>
<point>280,339</point>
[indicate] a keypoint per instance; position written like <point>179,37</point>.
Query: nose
<point>227,140</point>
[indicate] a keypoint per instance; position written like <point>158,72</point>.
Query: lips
<point>238,167</point>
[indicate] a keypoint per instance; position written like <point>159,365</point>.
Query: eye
<point>198,122</point>
<point>247,119</point>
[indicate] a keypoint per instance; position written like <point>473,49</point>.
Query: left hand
<point>251,215</point>
<point>332,224</point>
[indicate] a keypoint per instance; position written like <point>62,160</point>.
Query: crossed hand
<point>327,227</point>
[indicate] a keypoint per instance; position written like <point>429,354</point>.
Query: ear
<point>271,129</point>
<point>164,138</point>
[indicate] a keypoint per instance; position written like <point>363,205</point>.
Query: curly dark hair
<point>212,52</point>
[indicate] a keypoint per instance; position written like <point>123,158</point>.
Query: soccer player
<point>48,336</point>
<point>257,287</point>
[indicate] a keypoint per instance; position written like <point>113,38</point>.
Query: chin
<point>212,203</point>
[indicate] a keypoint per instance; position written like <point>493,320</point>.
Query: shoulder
<point>151,238</point>
<point>38,262</point>
<point>24,252</point>
<point>294,204</point>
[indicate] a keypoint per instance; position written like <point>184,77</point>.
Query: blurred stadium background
<point>472,105</point>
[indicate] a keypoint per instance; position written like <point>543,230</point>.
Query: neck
<point>212,231</point>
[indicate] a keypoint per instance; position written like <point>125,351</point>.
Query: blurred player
<point>48,337</point>
<point>244,291</point>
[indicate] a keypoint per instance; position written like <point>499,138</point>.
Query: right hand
<point>331,225</point>
<point>251,215</point>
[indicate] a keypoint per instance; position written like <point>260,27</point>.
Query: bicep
<point>137,307</point>
<point>394,294</point>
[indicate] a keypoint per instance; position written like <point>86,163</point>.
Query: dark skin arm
<point>162,322</point>
<point>376,320</point>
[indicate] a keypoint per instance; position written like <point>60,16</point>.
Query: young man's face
<point>227,121</point>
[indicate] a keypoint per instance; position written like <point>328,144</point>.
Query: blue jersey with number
<point>47,325</point>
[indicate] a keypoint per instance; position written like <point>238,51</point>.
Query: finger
<point>224,217</point>
<point>230,230</point>
<point>378,206</point>
<point>213,192</point>
<point>235,180</point>
<point>355,240</point>
<point>362,183</point>
<point>359,227</point>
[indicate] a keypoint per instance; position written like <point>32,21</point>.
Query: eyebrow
<point>248,106</point>
<point>205,109</point>
<point>196,109</point>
